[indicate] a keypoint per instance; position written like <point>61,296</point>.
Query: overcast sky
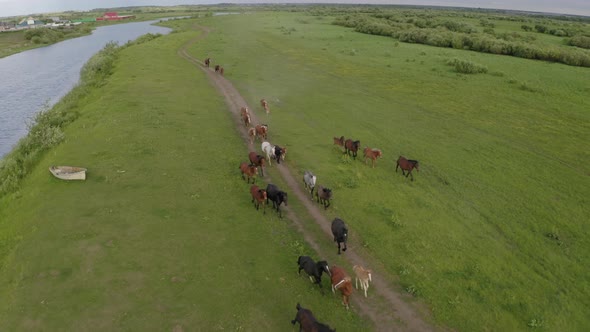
<point>25,7</point>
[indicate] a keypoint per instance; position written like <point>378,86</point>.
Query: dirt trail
<point>401,316</point>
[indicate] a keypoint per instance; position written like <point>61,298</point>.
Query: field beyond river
<point>490,235</point>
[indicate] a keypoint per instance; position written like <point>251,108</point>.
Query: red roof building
<point>113,16</point>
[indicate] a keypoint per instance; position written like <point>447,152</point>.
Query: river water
<point>32,79</point>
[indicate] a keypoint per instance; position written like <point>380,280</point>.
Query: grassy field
<point>492,232</point>
<point>491,235</point>
<point>162,234</point>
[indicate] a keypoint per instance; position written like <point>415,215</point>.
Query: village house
<point>30,22</point>
<point>4,26</point>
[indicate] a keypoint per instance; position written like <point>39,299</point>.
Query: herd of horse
<point>260,197</point>
<point>351,148</point>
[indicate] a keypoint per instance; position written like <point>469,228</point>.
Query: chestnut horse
<point>339,141</point>
<point>245,116</point>
<point>257,160</point>
<point>252,134</point>
<point>221,71</point>
<point>407,165</point>
<point>264,105</point>
<point>207,62</point>
<point>249,171</point>
<point>351,146</point>
<point>262,131</point>
<point>372,154</point>
<point>342,282</point>
<point>258,197</point>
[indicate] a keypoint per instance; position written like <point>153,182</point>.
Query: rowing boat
<point>68,172</point>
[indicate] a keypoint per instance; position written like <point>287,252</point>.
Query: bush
<point>580,41</point>
<point>466,67</point>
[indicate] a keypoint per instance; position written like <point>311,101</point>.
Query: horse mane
<point>415,162</point>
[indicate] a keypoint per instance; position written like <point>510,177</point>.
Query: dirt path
<point>391,311</point>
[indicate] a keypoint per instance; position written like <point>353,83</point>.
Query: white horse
<point>309,180</point>
<point>268,149</point>
<point>273,151</point>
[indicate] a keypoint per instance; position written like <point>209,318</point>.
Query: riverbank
<point>12,42</point>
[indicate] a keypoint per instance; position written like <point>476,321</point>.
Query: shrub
<point>466,66</point>
<point>580,41</point>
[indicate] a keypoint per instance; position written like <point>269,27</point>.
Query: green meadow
<point>491,234</point>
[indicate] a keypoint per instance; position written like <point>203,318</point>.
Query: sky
<point>26,7</point>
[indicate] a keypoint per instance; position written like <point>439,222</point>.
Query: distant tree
<point>526,27</point>
<point>540,28</point>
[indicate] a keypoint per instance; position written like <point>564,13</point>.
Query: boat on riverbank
<point>68,172</point>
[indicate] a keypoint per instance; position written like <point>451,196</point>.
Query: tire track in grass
<point>392,312</point>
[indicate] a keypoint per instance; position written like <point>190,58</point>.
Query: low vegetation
<point>459,30</point>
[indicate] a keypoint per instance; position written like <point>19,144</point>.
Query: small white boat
<point>68,172</point>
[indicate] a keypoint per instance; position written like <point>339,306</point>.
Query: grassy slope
<point>504,161</point>
<point>162,233</point>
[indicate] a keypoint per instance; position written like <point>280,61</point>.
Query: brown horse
<point>217,68</point>
<point>258,197</point>
<point>342,282</point>
<point>339,141</point>
<point>264,105</point>
<point>262,131</point>
<point>307,321</point>
<point>323,196</point>
<point>249,171</point>
<point>221,71</point>
<point>407,165</point>
<point>252,134</point>
<point>257,160</point>
<point>372,154</point>
<point>351,146</point>
<point>245,116</point>
<point>207,62</point>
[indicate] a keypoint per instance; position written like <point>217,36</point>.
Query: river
<point>42,76</point>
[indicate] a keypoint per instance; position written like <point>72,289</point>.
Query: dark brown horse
<point>342,282</point>
<point>207,62</point>
<point>257,160</point>
<point>258,197</point>
<point>248,171</point>
<point>372,154</point>
<point>245,116</point>
<point>264,105</point>
<point>217,67</point>
<point>351,146</point>
<point>262,131</point>
<point>307,321</point>
<point>407,165</point>
<point>323,196</point>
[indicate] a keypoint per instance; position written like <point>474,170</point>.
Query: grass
<point>490,235</point>
<point>162,234</point>
<point>503,164</point>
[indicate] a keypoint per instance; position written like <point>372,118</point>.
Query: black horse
<point>277,197</point>
<point>314,270</point>
<point>307,321</point>
<point>340,233</point>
